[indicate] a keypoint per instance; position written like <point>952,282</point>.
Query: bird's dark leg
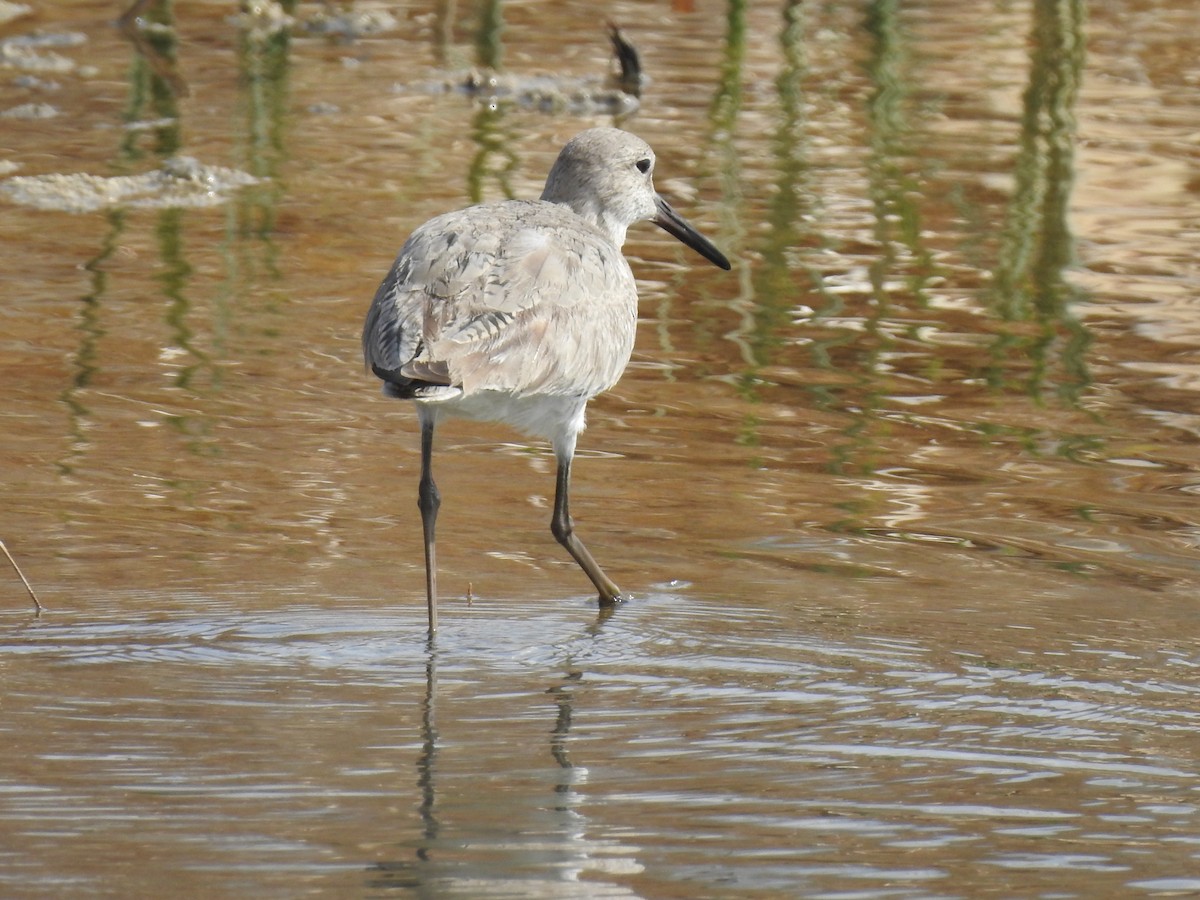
<point>564,531</point>
<point>428,501</point>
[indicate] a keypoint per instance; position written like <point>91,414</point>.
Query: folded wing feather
<point>519,296</point>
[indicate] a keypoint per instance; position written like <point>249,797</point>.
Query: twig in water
<point>32,596</point>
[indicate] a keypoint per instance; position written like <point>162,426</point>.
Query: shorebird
<point>521,311</point>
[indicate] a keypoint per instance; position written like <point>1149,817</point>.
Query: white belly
<point>551,416</point>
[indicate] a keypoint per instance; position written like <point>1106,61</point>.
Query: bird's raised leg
<point>428,501</point>
<point>564,531</point>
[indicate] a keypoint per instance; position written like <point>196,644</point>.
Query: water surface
<point>907,502</point>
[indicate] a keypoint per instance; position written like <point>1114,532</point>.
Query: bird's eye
<point>643,166</point>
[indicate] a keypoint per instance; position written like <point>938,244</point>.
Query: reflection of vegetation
<point>770,314</point>
<point>495,145</point>
<point>895,194</point>
<point>250,246</point>
<point>495,157</point>
<point>489,41</point>
<point>722,161</point>
<point>1036,244</point>
<point>723,114</point>
<point>154,89</point>
<point>898,251</point>
<point>774,280</point>
<point>867,322</point>
<point>174,277</point>
<point>727,101</point>
<point>154,80</point>
<point>90,332</point>
<point>263,60</point>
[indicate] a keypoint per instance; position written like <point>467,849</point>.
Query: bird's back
<point>520,297</point>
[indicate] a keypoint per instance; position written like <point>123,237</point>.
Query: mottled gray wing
<point>520,296</point>
<point>392,332</point>
<point>446,258</point>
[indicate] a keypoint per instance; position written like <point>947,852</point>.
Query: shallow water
<point>907,502</point>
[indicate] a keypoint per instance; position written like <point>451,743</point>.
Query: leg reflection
<point>425,763</point>
<point>559,736</point>
<point>409,874</point>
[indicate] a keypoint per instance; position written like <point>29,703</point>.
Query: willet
<point>521,311</point>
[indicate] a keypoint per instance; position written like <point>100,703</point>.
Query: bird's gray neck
<point>591,211</point>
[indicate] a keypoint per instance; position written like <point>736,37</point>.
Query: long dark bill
<point>676,225</point>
